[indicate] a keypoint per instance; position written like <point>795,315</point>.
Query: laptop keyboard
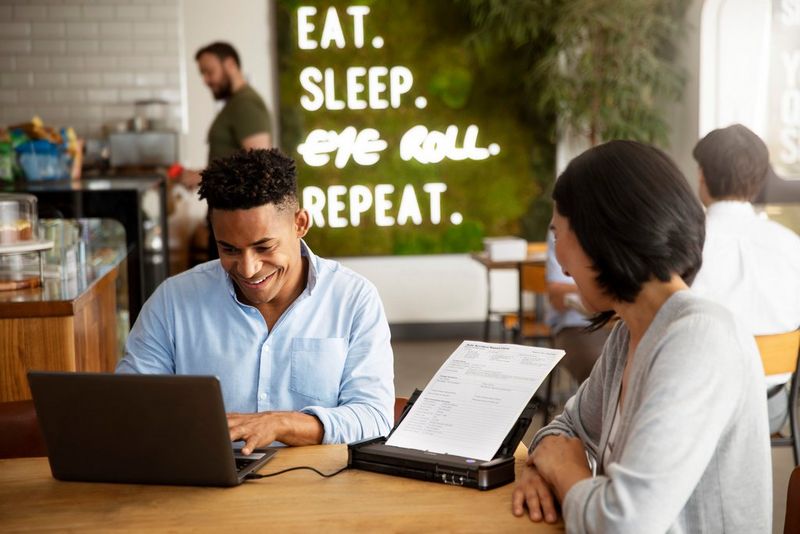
<point>246,460</point>
<point>241,463</point>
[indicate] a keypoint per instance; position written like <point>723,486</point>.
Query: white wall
<point>243,23</point>
<point>436,289</point>
<point>85,63</point>
<point>684,116</point>
<point>734,78</point>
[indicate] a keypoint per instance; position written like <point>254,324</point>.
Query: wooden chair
<point>399,406</point>
<point>20,436</point>
<point>780,353</point>
<point>537,247</point>
<point>533,328</point>
<point>532,281</point>
<point>792,523</point>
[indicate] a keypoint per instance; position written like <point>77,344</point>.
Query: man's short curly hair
<point>248,179</point>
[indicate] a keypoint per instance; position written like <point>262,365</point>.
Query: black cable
<point>320,473</point>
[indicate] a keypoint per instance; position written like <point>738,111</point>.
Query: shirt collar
<point>730,208</point>
<point>313,272</point>
<point>313,266</point>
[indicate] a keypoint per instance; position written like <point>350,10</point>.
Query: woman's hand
<point>534,493</point>
<point>561,461</point>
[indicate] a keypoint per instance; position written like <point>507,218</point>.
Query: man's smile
<point>258,282</point>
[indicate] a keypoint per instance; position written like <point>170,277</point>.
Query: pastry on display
<point>18,219</point>
<point>15,231</point>
<point>19,281</point>
<point>21,261</point>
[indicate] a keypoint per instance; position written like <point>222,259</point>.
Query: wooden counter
<point>68,324</point>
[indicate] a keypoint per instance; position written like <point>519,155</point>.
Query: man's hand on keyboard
<point>264,428</point>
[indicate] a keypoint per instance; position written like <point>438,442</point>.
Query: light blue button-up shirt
<point>554,273</point>
<point>328,355</point>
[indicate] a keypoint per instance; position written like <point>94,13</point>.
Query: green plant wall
<point>504,194</point>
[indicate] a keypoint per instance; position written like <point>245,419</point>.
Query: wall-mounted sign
<point>783,123</point>
<point>405,142</point>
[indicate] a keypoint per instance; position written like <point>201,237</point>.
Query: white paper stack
<point>475,398</point>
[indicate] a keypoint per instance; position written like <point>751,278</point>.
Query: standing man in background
<point>751,265</point>
<point>243,122</point>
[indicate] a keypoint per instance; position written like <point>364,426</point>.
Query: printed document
<point>474,399</point>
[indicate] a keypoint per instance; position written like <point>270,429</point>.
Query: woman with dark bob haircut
<point>673,417</point>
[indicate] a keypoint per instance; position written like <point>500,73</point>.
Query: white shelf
<point>34,245</point>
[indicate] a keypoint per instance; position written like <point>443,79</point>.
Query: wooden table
<point>536,257</point>
<point>299,501</point>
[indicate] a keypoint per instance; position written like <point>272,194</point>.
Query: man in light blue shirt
<point>300,343</point>
<point>567,324</point>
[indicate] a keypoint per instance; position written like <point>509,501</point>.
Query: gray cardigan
<point>692,450</point>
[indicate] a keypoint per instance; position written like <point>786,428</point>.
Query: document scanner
<point>375,455</point>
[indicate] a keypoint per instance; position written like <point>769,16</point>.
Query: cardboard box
<point>506,248</point>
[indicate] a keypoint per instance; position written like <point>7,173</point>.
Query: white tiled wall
<point>83,63</point>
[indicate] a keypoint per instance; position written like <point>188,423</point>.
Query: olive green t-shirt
<point>244,114</point>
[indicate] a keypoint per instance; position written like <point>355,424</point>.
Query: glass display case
<point>21,249</point>
<point>137,202</point>
<point>95,246</point>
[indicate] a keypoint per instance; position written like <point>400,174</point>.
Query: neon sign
<point>377,88</point>
<point>405,141</point>
<point>327,207</point>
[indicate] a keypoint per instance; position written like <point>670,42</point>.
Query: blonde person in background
<point>673,415</point>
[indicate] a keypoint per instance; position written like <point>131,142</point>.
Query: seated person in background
<point>751,265</point>
<point>300,344</point>
<point>673,414</point>
<point>567,324</point>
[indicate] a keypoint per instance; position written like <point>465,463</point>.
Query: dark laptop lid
<point>152,429</point>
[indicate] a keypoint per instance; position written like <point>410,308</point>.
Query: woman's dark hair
<point>634,215</point>
<point>248,179</point>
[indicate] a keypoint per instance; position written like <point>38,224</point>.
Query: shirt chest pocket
<point>317,366</point>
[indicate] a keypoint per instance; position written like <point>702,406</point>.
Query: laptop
<point>375,455</point>
<point>146,429</point>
